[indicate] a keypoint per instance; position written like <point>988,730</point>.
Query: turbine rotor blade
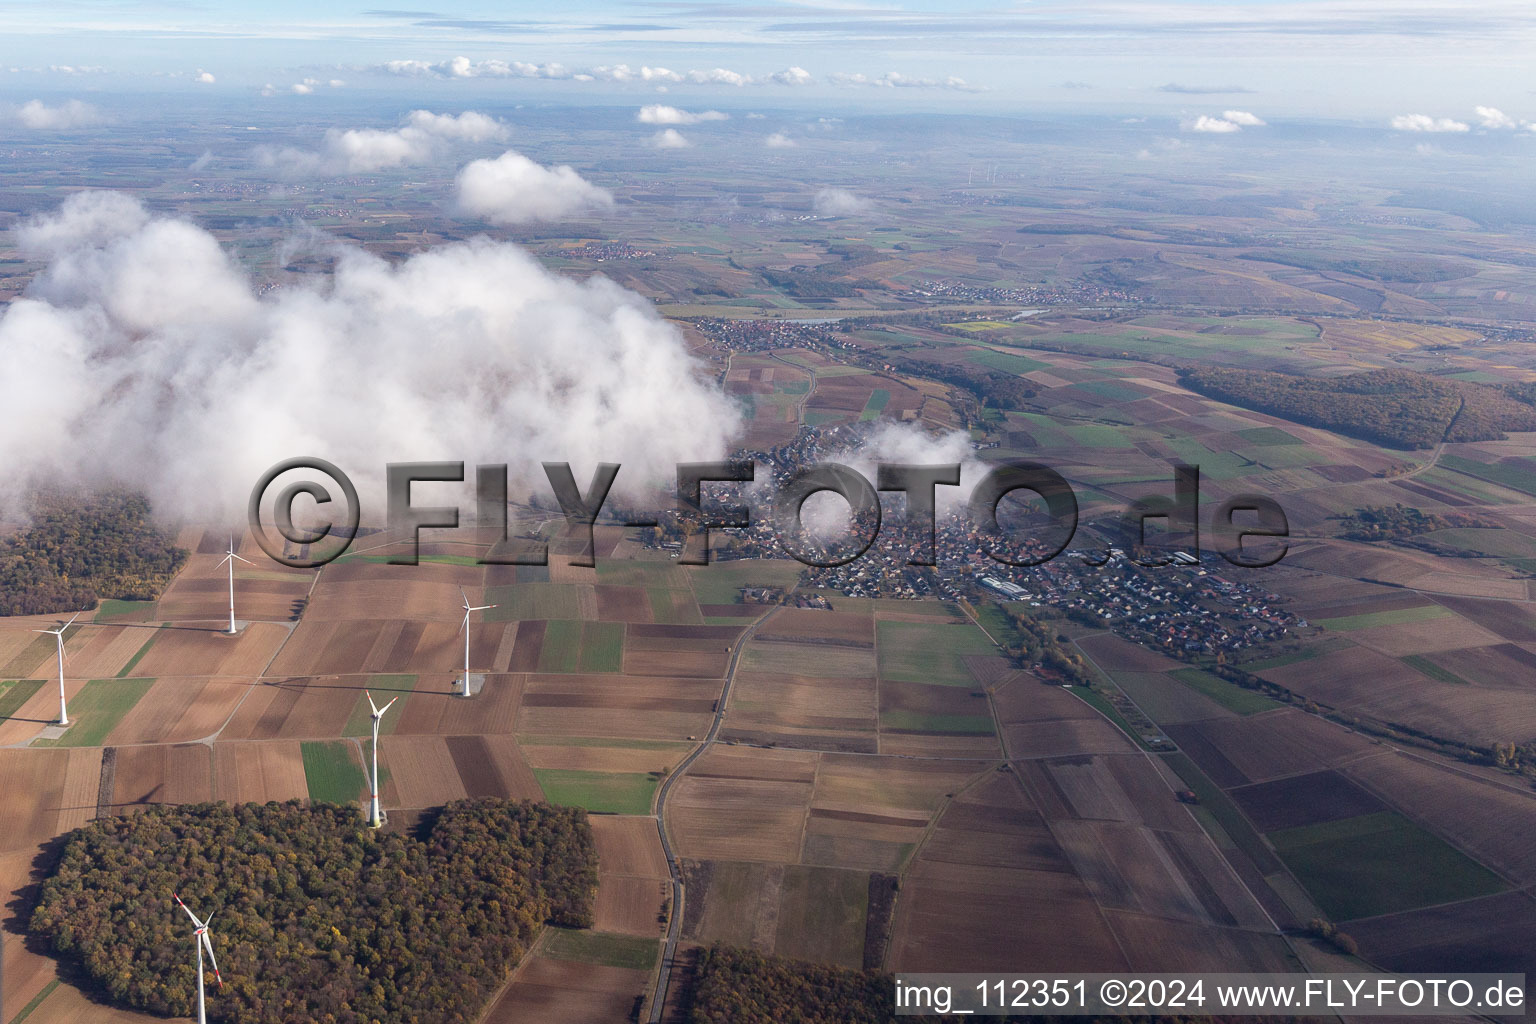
<point>208,945</point>
<point>371,703</point>
<point>188,909</point>
<point>386,707</point>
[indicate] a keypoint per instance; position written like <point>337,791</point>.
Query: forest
<point>314,916</point>
<point>1397,408</point>
<point>79,549</point>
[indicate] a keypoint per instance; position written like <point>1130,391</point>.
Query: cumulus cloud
<point>512,189</point>
<point>37,115</point>
<point>778,140</point>
<point>303,88</point>
<point>897,80</point>
<point>669,138</point>
<point>422,138</point>
<point>203,77</point>
<point>1425,123</point>
<point>1243,119</point>
<point>837,202</point>
<point>1493,118</point>
<point>143,356</point>
<point>792,76</point>
<point>656,113</point>
<point>1216,125</point>
<point>463,67</point>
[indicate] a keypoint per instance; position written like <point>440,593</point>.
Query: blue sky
<point>1348,59</point>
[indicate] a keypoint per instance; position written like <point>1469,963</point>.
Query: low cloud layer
<point>1230,121</point>
<point>657,113</point>
<point>1425,123</point>
<point>143,356</point>
<point>669,138</point>
<point>422,138</point>
<point>645,74</point>
<point>512,189</point>
<point>38,116</point>
<point>837,202</point>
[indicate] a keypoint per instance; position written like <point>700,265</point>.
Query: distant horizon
<point>1432,62</point>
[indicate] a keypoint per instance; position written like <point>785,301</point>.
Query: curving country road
<point>675,925</point>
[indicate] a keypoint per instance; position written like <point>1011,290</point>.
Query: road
<point>675,927</point>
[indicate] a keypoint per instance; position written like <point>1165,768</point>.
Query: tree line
<point>1398,408</point>
<point>314,916</point>
<point>79,549</point>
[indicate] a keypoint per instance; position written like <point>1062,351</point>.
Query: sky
<point>1329,59</point>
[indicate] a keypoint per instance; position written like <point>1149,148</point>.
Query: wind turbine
<point>373,784</point>
<point>464,628</point>
<point>229,557</point>
<point>200,942</point>
<point>58,635</point>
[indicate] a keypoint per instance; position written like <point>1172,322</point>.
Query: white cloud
<point>656,113</point>
<point>669,138</point>
<point>1243,119</point>
<point>778,140</point>
<point>144,356</point>
<point>1217,125</point>
<point>423,137</point>
<point>463,67</point>
<point>718,76</point>
<point>302,88</point>
<point>512,189</point>
<point>837,202</point>
<point>1425,123</point>
<point>1493,117</point>
<point>203,77</point>
<point>792,76</point>
<point>897,80</point>
<point>37,115</point>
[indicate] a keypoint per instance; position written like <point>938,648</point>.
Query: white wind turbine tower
<point>464,628</point>
<point>200,942</point>
<point>58,635</point>
<point>229,557</point>
<point>373,780</point>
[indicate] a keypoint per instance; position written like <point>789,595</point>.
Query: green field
<point>332,773</point>
<point>384,688</point>
<point>915,652</point>
<point>601,948</point>
<point>1497,543</point>
<point>521,601</point>
<point>602,647</point>
<point>1440,673</point>
<point>1228,695</point>
<point>673,607</point>
<point>1396,617</point>
<point>954,725</point>
<point>1323,646</point>
<point>721,582</point>
<point>562,646</point>
<point>133,662</point>
<point>571,645</point>
<point>16,692</point>
<point>1379,863</point>
<point>1516,474</point>
<point>601,792</point>
<point>113,610</point>
<point>97,708</point>
<point>876,404</point>
<point>821,915</point>
<point>1006,361</point>
<point>1267,436</point>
